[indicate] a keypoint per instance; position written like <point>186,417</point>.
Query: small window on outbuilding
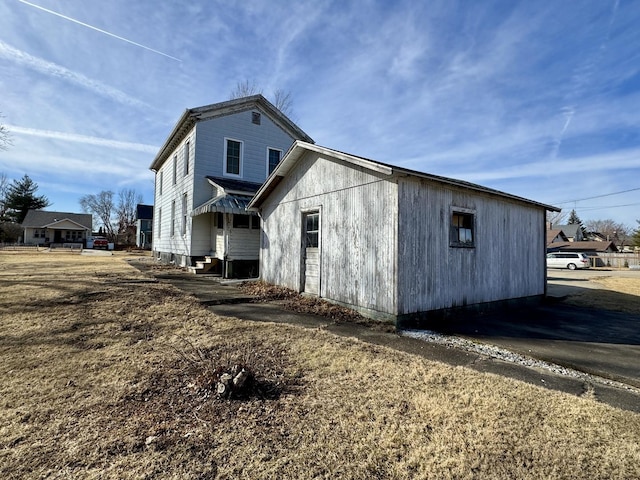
<point>462,229</point>
<point>255,222</point>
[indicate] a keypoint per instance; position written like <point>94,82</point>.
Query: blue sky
<point>535,98</point>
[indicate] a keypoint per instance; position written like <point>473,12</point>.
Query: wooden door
<point>311,253</point>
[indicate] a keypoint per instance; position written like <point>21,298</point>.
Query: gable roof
<point>43,218</point>
<point>193,115</point>
<point>556,235</point>
<point>299,148</point>
<point>570,230</point>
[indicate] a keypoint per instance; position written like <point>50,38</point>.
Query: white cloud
<point>52,70</point>
<point>89,140</point>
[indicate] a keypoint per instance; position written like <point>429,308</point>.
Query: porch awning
<point>225,203</point>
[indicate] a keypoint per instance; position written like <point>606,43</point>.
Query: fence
<point>616,260</point>
<point>19,247</point>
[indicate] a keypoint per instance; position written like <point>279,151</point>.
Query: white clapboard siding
<point>244,244</point>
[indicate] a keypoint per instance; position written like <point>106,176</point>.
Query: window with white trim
<point>173,218</point>
<point>160,183</point>
<point>273,158</point>
<point>175,169</point>
<point>159,222</point>
<point>183,226</point>
<point>187,147</point>
<point>233,157</point>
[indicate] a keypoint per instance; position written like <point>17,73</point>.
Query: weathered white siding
<point>507,261</point>
<point>358,220</point>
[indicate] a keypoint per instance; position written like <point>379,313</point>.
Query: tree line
<point>113,216</point>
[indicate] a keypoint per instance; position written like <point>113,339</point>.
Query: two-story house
<point>214,160</point>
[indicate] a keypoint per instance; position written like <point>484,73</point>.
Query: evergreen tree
<point>21,197</point>
<point>575,220</point>
<point>635,238</point>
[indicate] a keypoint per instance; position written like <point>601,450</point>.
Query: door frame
<point>304,212</point>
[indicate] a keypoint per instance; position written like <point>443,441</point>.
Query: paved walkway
<point>605,344</point>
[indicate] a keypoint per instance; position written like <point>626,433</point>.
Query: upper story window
<point>183,225</point>
<point>233,157</point>
<point>255,118</point>
<point>462,228</point>
<point>273,159</point>
<point>187,147</point>
<point>173,218</point>
<point>175,169</point>
<point>160,180</point>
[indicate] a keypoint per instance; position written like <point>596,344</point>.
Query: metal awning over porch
<point>225,203</point>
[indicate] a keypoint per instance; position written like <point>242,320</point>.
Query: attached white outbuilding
<point>393,243</point>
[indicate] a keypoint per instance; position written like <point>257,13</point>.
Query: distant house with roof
<point>42,227</point>
<point>572,231</point>
<point>213,161</point>
<point>397,244</point>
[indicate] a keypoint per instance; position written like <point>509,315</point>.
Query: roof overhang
<point>225,203</point>
<point>299,149</point>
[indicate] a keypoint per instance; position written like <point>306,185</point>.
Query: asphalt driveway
<point>600,342</point>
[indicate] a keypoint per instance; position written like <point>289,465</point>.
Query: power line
<point>597,196</point>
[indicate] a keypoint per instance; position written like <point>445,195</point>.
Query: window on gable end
<point>273,159</point>
<point>255,118</point>
<point>233,157</point>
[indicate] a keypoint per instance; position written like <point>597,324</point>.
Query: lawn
<point>107,373</point>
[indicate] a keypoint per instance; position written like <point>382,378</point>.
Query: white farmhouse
<point>212,163</point>
<point>396,244</point>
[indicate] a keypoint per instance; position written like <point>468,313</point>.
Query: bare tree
<point>610,229</point>
<point>5,137</point>
<point>556,218</point>
<point>245,89</point>
<point>281,99</point>
<point>101,205</point>
<point>128,200</point>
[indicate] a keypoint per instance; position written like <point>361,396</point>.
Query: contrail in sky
<point>99,30</point>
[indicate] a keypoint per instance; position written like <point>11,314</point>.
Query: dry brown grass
<point>98,381</point>
<point>619,294</point>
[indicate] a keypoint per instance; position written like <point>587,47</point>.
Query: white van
<point>570,260</point>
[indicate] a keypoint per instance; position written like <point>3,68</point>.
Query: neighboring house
<point>572,231</point>
<point>555,236</point>
<point>44,228</point>
<point>396,244</point>
<point>589,247</point>
<point>209,167</point>
<point>144,225</point>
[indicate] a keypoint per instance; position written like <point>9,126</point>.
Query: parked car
<point>100,242</point>
<point>570,260</point>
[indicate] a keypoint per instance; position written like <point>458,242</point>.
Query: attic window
<point>255,118</point>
